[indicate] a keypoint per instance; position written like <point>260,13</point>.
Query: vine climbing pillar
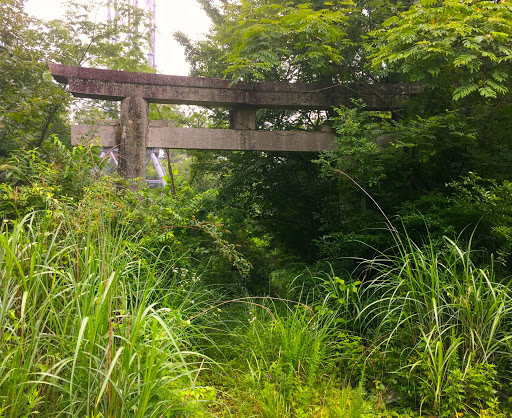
<point>134,137</point>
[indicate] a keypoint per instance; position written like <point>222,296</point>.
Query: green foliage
<point>474,207</point>
<point>464,45</point>
<point>32,105</point>
<point>382,155</point>
<point>105,299</point>
<point>183,220</point>
<point>82,39</point>
<point>287,40</point>
<point>71,180</point>
<point>29,100</point>
<point>411,167</point>
<point>493,201</point>
<point>340,298</point>
<point>472,390</point>
<point>34,180</point>
<point>278,354</point>
<point>280,41</point>
<point>259,191</point>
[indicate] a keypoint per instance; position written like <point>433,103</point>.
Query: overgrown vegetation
<point>370,281</point>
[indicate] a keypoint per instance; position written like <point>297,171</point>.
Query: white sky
<point>171,16</point>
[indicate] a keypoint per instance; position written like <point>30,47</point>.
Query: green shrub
<point>41,179</point>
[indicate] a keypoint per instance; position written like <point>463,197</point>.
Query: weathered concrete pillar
<point>134,137</point>
<point>243,117</point>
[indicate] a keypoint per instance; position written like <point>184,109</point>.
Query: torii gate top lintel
<point>170,89</point>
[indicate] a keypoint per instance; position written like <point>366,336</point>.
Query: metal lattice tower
<point>148,6</point>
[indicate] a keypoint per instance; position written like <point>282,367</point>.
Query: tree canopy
<point>33,106</point>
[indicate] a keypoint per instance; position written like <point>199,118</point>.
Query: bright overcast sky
<point>171,15</point>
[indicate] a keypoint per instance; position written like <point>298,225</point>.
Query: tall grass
<point>276,352</point>
<point>440,318</point>
<point>85,326</point>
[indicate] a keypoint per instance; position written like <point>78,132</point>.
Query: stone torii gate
<point>135,132</point>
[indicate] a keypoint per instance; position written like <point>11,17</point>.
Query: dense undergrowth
<point>369,281</point>
<point>117,301</point>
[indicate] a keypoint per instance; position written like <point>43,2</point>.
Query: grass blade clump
<point>277,353</point>
<point>439,323</point>
<point>85,326</point>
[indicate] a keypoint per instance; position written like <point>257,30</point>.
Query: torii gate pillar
<point>134,137</point>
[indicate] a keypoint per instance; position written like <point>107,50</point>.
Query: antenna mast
<point>150,6</point>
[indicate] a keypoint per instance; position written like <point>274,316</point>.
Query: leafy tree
<point>458,125</point>
<point>281,41</point>
<point>32,105</point>
<point>464,46</point>
<point>281,194</point>
<point>28,97</point>
<point>81,38</point>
